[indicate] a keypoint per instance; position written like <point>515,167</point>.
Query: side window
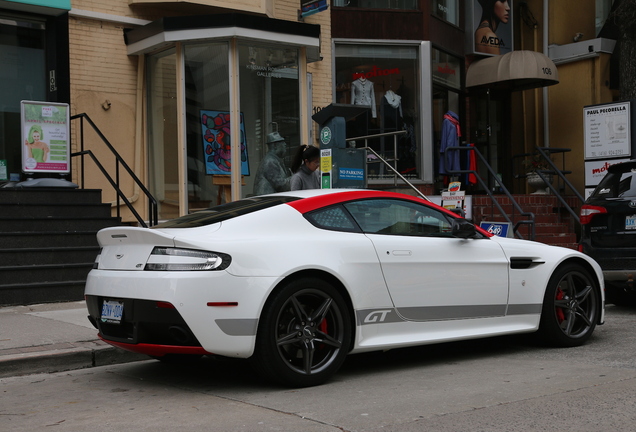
<point>627,185</point>
<point>332,218</point>
<point>397,217</point>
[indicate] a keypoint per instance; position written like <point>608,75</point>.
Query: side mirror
<point>463,229</point>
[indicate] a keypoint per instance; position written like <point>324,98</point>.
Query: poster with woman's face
<point>492,26</point>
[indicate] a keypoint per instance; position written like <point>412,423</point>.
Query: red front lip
<point>157,350</point>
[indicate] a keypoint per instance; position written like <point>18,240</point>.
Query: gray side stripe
<point>238,327</point>
<point>524,309</point>
<point>439,313</point>
<point>452,312</point>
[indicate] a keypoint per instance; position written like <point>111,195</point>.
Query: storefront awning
<point>516,70</point>
<point>169,30</point>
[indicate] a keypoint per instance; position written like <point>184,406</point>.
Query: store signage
<point>325,168</point>
<point>607,131</point>
<point>45,137</point>
<point>313,7</point>
<point>375,72</point>
<point>489,32</point>
<point>325,135</point>
<point>351,173</point>
<point>595,170</point>
<point>446,69</point>
<point>499,229</point>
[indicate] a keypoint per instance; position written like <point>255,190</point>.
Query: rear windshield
<point>225,211</point>
<point>616,185</point>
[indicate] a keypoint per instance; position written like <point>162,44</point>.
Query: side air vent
<point>522,263</point>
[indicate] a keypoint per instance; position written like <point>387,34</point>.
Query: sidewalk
<point>52,338</point>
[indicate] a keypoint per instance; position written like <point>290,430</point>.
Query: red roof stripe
<point>312,203</point>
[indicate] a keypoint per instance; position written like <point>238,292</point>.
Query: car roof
<point>326,197</point>
<point>622,166</point>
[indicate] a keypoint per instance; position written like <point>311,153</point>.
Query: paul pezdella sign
<point>45,137</point>
<point>607,131</point>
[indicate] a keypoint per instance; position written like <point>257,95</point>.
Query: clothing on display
<point>451,132</point>
<point>363,93</point>
<point>394,101</point>
<point>391,112</point>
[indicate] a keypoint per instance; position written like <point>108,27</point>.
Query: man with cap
<point>272,175</point>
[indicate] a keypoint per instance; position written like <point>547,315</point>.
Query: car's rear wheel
<point>304,333</point>
<point>571,307</point>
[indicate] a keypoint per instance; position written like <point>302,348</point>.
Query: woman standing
<point>304,166</point>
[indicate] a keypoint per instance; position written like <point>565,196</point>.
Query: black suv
<point>608,234</point>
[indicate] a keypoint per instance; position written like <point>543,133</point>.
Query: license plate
<point>630,222</point>
<point>112,311</point>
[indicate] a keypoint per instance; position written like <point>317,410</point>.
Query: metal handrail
<point>152,202</point>
<point>530,221</point>
<point>545,154</point>
<point>384,161</point>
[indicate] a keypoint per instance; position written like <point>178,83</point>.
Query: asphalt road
<point>499,384</point>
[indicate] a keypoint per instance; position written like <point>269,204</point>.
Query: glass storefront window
<point>446,69</point>
<point>162,132</point>
<point>270,102</point>
<point>208,152</point>
<point>385,77</point>
<point>22,77</point>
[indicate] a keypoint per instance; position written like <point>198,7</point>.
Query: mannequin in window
<point>391,109</point>
<point>362,93</point>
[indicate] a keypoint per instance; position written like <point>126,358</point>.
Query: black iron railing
<point>529,216</point>
<point>114,182</point>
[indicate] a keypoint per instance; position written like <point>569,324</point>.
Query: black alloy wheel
<point>571,307</point>
<point>304,334</point>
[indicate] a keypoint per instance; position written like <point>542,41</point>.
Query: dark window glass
<point>397,217</point>
<point>225,211</point>
<point>333,218</point>
<point>616,185</point>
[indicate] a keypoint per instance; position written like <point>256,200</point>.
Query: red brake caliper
<point>559,311</point>
<point>323,328</point>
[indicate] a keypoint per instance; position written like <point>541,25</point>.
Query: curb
<point>62,357</point>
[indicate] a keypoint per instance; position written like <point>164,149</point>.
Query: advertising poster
<point>595,170</point>
<point>217,143</point>
<point>45,137</point>
<point>607,131</point>
<point>490,23</point>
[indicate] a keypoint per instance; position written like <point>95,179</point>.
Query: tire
<point>571,307</point>
<point>304,334</point>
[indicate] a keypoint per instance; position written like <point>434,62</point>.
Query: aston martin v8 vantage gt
<point>297,280</point>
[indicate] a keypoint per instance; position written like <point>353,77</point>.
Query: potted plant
<point>533,164</point>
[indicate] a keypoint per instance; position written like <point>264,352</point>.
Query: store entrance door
<point>493,136</point>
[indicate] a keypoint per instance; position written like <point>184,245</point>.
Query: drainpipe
<point>546,117</point>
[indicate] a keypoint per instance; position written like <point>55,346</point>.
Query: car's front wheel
<point>304,333</point>
<point>571,307</point>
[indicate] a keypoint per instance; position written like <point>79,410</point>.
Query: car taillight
<point>589,211</point>
<point>177,259</point>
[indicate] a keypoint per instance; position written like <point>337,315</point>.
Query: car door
<point>430,274</point>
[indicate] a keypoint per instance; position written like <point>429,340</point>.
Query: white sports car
<point>296,281</point>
